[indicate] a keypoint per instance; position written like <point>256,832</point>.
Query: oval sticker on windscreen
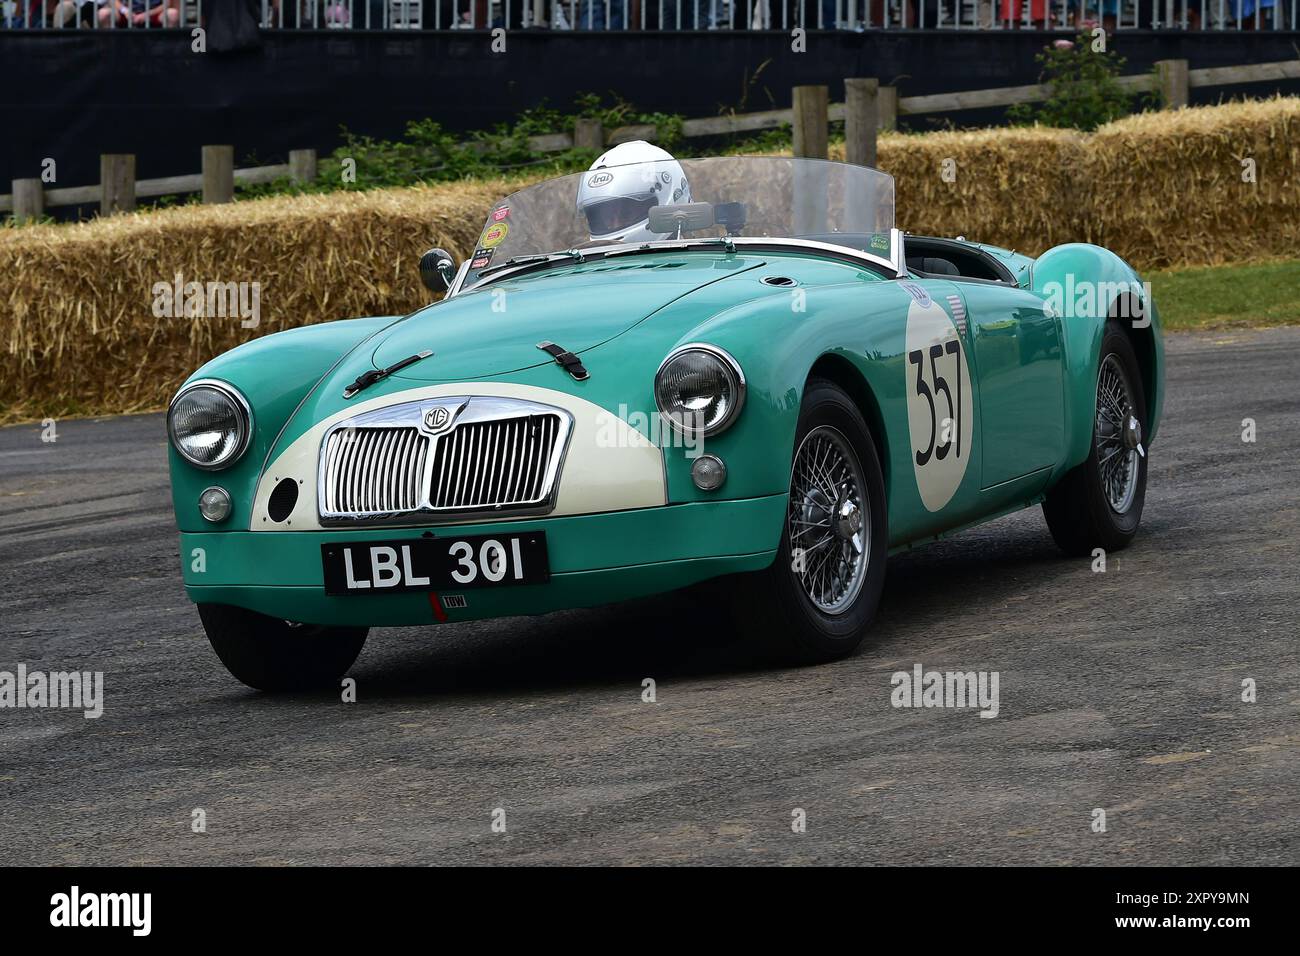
<point>494,235</point>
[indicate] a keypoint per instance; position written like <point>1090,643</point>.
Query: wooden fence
<point>868,107</point>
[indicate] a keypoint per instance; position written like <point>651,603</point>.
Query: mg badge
<point>437,419</point>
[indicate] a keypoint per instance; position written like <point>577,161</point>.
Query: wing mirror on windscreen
<point>437,270</point>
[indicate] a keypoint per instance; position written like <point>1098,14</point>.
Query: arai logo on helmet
<point>437,419</point>
<point>600,179</point>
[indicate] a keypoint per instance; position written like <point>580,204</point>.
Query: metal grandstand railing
<point>666,15</point>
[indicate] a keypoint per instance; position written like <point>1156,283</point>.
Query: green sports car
<point>648,375</point>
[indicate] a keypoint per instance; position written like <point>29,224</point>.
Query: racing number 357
<point>946,431</point>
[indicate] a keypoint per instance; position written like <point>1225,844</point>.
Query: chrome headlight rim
<point>734,372</point>
<point>240,402</point>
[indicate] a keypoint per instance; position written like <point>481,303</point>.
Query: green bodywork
<point>1032,377</point>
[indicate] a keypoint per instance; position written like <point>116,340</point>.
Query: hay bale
<point>77,314</point>
<point>1018,188</point>
<point>1168,187</point>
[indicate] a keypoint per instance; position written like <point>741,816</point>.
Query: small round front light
<point>699,389</point>
<point>214,504</point>
<point>210,425</point>
<point>708,472</point>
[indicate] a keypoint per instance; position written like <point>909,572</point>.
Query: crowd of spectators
<point>89,14</point>
<point>664,14</point>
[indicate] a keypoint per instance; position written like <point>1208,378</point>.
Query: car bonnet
<point>495,329</point>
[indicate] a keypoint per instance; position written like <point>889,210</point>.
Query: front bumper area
<point>595,559</point>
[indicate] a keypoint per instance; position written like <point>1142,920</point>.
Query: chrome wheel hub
<point>829,523</point>
<point>848,520</point>
<point>1132,434</point>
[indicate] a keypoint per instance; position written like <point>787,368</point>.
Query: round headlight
<point>210,424</point>
<point>700,389</point>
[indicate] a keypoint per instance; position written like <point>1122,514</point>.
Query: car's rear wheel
<point>267,653</point>
<point>819,596</point>
<point>1098,504</point>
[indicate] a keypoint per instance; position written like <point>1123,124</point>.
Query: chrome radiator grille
<point>455,457</point>
<point>493,464</point>
<point>373,470</point>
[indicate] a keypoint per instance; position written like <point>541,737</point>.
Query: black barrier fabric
<point>70,97</point>
<point>924,910</point>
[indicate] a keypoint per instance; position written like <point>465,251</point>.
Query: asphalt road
<point>1119,691</point>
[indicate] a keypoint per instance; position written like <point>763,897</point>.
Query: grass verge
<point>1254,295</point>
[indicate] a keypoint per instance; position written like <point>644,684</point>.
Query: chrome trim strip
<point>711,244</point>
<point>457,282</point>
<point>897,253</point>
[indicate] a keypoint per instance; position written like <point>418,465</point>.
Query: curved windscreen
<point>766,197</point>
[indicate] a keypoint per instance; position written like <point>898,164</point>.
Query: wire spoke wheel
<point>1117,436</point>
<point>829,521</point>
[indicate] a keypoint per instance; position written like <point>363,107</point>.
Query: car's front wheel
<point>267,653</point>
<point>1098,504</point>
<point>819,596</point>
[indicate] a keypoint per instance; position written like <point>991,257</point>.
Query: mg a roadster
<point>649,375</point>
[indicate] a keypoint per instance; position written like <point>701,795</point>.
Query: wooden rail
<point>870,107</point>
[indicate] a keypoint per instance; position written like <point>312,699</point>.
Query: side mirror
<point>437,270</point>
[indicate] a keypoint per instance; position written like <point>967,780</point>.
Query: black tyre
<point>816,601</point>
<point>1099,503</point>
<point>269,654</point>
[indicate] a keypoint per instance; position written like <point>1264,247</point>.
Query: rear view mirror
<point>685,217</point>
<point>730,215</point>
<point>437,270</point>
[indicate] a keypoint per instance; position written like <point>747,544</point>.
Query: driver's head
<point>623,185</point>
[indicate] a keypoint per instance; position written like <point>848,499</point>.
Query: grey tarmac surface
<point>1119,691</point>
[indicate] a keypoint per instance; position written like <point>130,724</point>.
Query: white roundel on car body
<point>940,415</point>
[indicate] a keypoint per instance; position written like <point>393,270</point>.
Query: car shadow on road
<point>685,633</point>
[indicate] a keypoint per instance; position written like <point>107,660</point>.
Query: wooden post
<point>860,120</point>
<point>1174,85</point>
<point>29,199</point>
<point>116,183</point>
<point>811,107</point>
<point>588,134</point>
<point>887,107</point>
<point>218,174</point>
<point>302,165</point>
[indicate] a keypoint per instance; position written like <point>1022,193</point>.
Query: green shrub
<point>1084,93</point>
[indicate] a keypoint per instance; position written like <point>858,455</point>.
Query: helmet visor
<point>610,215</point>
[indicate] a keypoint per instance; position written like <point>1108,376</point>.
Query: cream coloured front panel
<point>610,466</point>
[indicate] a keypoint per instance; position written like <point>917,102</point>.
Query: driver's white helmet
<point>623,185</point>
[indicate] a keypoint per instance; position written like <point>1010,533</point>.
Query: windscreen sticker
<point>500,214</point>
<point>940,416</point>
<point>481,258</point>
<point>494,235</point>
